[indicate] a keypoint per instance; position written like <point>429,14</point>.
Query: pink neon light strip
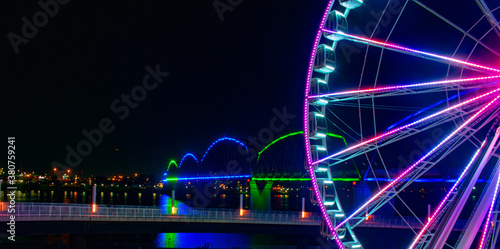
<point>417,162</point>
<point>427,84</point>
<point>306,130</point>
<point>441,205</point>
<point>393,46</point>
<point>486,225</point>
<point>406,126</point>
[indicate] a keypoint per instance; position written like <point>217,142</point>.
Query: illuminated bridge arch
<point>188,155</point>
<point>284,158</point>
<point>172,169</point>
<point>189,166</point>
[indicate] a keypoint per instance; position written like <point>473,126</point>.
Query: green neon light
<point>345,179</point>
<point>276,178</point>
<point>297,133</point>
<point>172,162</point>
<point>278,139</point>
<point>337,136</point>
<point>284,179</point>
<point>280,179</point>
<point>303,179</point>
<point>302,132</point>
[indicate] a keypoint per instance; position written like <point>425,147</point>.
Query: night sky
<point>226,77</point>
<point>227,71</point>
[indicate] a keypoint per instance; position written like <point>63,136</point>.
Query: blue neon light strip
<point>211,177</point>
<point>371,179</point>
<point>186,155</point>
<point>427,108</point>
<point>220,140</point>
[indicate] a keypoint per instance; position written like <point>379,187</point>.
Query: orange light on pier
<point>173,210</point>
<point>94,203</point>
<point>241,211</point>
<point>303,214</point>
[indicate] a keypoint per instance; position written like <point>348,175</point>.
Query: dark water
<point>371,239</point>
<point>85,197</point>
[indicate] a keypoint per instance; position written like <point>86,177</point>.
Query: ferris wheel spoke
<point>489,16</point>
<point>450,217</point>
<point>399,136</point>
<point>425,87</point>
<point>466,33</point>
<point>413,131</point>
<point>386,191</point>
<point>492,235</point>
<point>413,52</point>
<point>426,165</point>
<point>487,230</point>
<point>406,129</point>
<point>345,124</point>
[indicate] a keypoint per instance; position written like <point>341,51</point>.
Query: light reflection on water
<point>193,240</point>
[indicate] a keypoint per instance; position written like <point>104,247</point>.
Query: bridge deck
<point>83,212</point>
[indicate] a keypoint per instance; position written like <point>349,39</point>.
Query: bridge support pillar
<point>180,190</point>
<point>361,193</point>
<point>260,195</point>
<point>77,241</point>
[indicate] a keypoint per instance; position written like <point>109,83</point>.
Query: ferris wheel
<point>414,87</point>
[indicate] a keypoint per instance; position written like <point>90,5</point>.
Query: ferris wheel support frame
<point>474,223</point>
<point>443,231</point>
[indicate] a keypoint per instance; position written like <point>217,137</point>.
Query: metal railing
<point>61,211</point>
<point>386,221</point>
<point>37,211</point>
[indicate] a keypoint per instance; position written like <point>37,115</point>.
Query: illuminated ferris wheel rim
<point>485,108</point>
